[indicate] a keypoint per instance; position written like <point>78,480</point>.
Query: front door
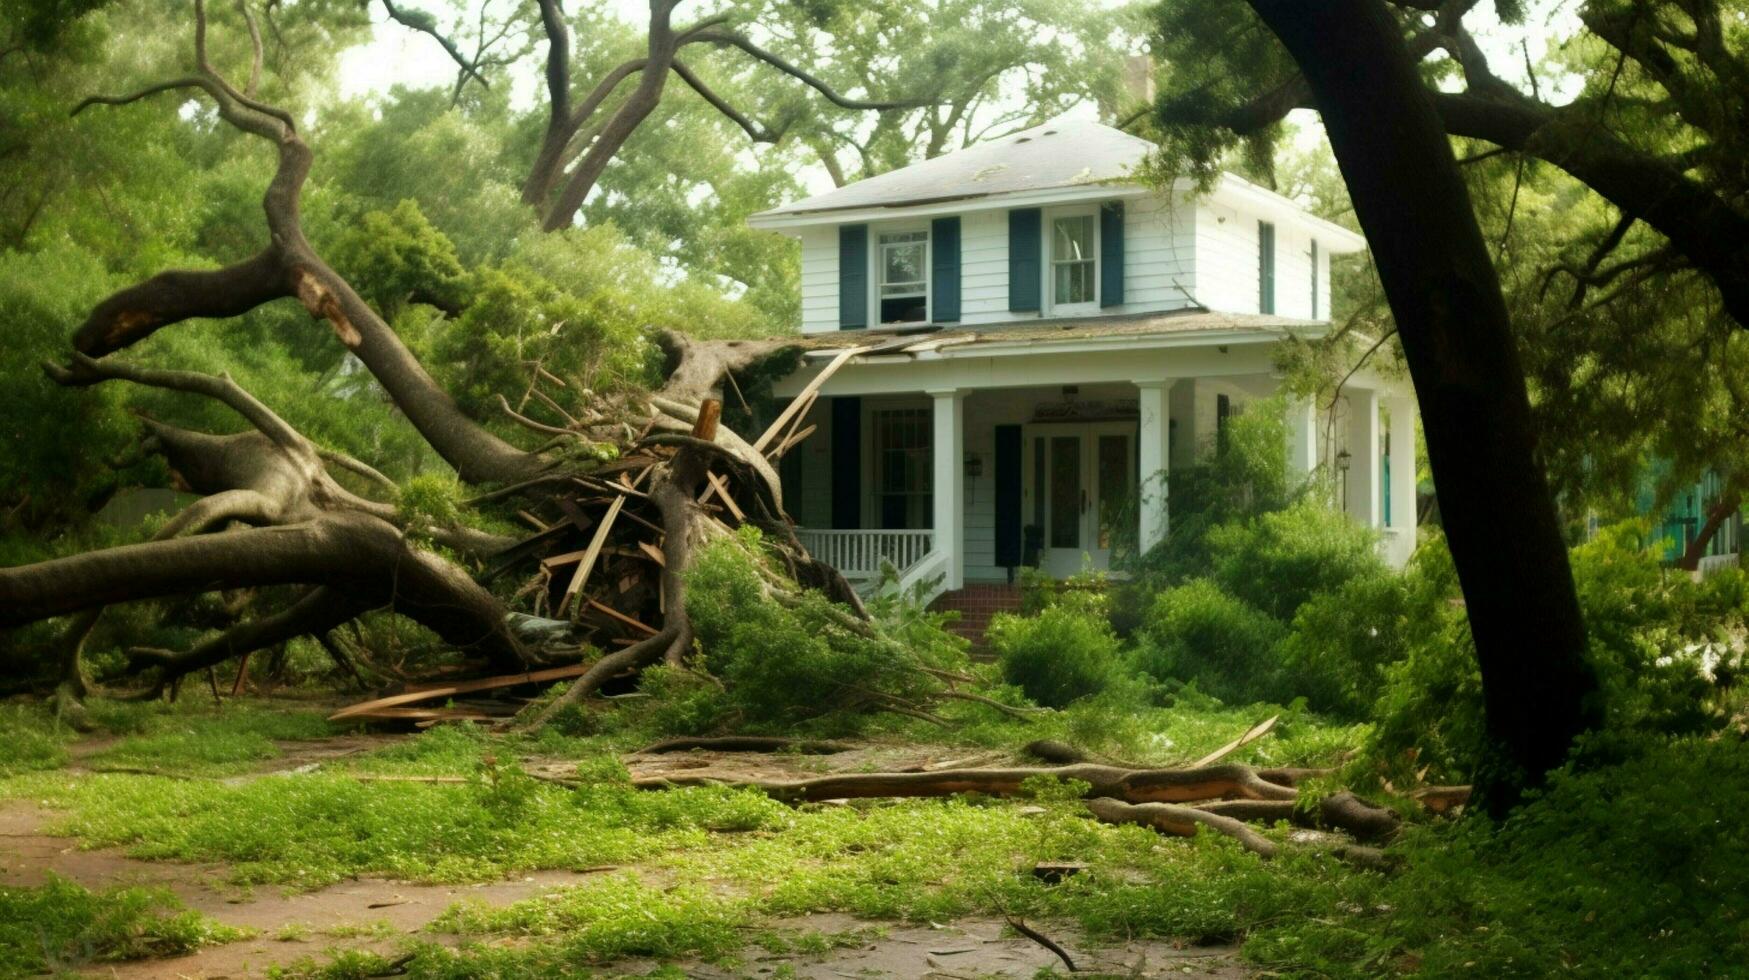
<point>1083,481</point>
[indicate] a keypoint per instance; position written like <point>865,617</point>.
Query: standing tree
<point>1505,537</point>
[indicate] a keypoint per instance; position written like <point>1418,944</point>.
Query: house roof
<point>1062,159</point>
<point>1062,153</point>
<point>1177,326</point>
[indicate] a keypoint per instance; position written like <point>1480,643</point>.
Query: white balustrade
<point>859,554</point>
<point>1717,563</point>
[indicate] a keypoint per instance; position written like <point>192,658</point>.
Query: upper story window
<point>904,276</point>
<point>1074,273</point>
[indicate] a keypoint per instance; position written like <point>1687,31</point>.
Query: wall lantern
<point>974,465</point>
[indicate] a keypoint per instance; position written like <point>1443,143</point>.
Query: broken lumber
<point>587,564</point>
<point>1251,734</point>
<point>461,687</point>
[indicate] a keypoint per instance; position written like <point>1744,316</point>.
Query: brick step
<point>977,605</point>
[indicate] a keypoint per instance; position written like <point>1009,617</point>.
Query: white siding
<point>1159,256</point>
<point>819,279</point>
<point>984,268</point>
<point>1226,258</point>
<point>1204,253</point>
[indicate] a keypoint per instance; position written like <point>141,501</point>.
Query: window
<point>904,283</point>
<point>1314,279</point>
<point>903,468</point>
<point>1072,260</point>
<point>1265,267</point>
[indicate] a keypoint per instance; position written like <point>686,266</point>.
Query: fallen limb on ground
<point>1181,821</point>
<point>1128,785</point>
<point>1339,811</point>
<point>745,743</point>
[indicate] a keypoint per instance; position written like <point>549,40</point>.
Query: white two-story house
<point>1038,340</point>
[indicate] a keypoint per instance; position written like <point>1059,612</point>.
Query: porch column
<point>1362,484</point>
<point>948,491</point>
<point>1403,503</point>
<point>1152,459</point>
<point>1302,438</point>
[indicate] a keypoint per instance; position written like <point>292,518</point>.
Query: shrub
<point>1341,641</point>
<point>1202,634</point>
<point>1278,560</point>
<point>1062,654</point>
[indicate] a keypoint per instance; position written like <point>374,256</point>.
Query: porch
<point>969,483</point>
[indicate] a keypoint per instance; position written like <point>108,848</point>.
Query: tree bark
<point>1721,512</point>
<point>1538,689</point>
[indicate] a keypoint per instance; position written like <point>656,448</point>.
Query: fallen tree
<point>321,538</point>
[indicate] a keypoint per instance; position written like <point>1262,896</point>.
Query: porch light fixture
<point>1343,459</point>
<point>974,465</point>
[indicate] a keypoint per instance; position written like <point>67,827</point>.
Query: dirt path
<point>379,915</point>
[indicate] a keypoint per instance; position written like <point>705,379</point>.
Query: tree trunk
<point>1538,689</point>
<point>1721,512</point>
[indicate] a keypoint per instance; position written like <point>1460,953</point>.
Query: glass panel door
<point>1066,493</point>
<point>1114,483</point>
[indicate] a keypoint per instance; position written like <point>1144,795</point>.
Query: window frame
<point>878,267</point>
<point>1048,288</point>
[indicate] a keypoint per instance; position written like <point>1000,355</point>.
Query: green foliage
<point>431,498</point>
<point>1634,870</point>
<point>793,659</point>
<point>59,925</point>
<point>1200,633</point>
<point>1062,654</point>
<point>1341,640</point>
<point>396,255</point>
<point>218,744</point>
<point>1280,559</point>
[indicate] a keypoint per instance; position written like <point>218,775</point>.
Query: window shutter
<point>847,463</point>
<point>852,277</point>
<point>944,269</point>
<point>1111,253</point>
<point>1024,248</point>
<point>1314,278</point>
<point>1265,267</point>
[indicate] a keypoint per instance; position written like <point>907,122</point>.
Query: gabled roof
<point>1067,159</point>
<point>1063,153</point>
<point>1074,331</point>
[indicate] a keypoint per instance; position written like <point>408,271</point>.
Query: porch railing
<point>858,555</point>
<point>1717,563</point>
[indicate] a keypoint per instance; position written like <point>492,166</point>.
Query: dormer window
<point>904,276</point>
<point>1074,272</point>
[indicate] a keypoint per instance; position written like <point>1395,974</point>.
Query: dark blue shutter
<point>1265,267</point>
<point>944,269</point>
<point>846,463</point>
<point>852,277</point>
<point>1024,247</point>
<point>1008,539</point>
<point>1111,253</point>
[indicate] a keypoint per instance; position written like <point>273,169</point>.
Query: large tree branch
<point>424,23</point>
<point>136,312</point>
<point>313,614</point>
<point>359,556</point>
<point>737,40</point>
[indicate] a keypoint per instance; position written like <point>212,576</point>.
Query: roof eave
<point>958,204</point>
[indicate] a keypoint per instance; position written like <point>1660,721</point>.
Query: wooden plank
<point>622,617</point>
<point>795,440</point>
<point>722,489</point>
<point>806,394</point>
<point>564,559</point>
<point>461,687</point>
<point>654,552</point>
<point>587,564</point>
<point>575,514</point>
<point>1252,734</point>
<point>539,525</point>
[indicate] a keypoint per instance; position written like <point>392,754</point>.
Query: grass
<point>1639,868</point>
<point>60,925</point>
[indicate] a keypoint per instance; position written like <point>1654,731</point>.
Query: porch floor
<point>976,604</point>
